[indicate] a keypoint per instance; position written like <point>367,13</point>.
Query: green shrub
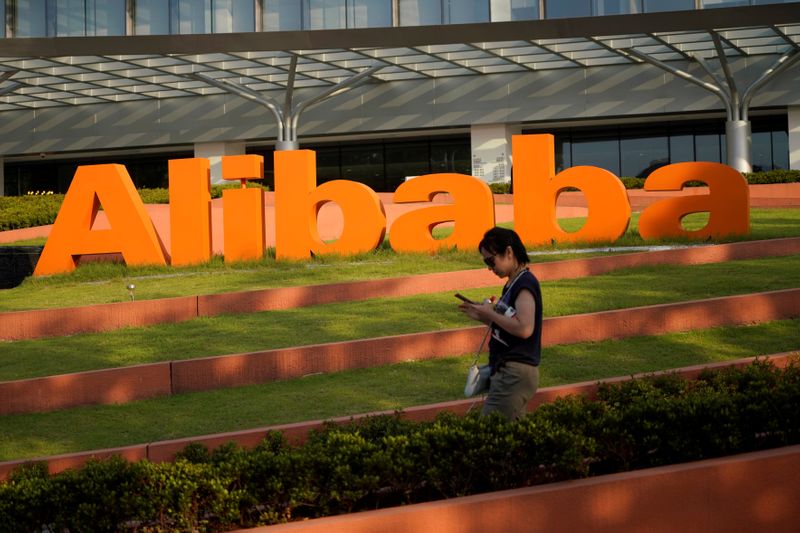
<point>500,187</point>
<point>388,461</point>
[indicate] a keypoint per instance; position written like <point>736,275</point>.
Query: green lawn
<point>360,391</point>
<point>104,283</point>
<point>379,317</point>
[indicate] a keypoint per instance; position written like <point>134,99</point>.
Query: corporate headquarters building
<point>387,89</point>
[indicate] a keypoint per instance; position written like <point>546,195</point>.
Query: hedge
<point>389,461</point>
<point>18,212</point>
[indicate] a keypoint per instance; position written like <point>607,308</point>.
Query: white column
<point>491,151</point>
<point>214,152</point>
<point>794,137</point>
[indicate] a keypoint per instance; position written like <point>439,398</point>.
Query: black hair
<point>497,239</point>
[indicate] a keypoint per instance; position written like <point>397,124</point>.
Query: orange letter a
<point>727,202</point>
<point>536,191</point>
<point>132,232</point>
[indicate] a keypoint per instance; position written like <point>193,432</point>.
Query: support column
<point>491,151</point>
<point>794,137</point>
<point>739,144</point>
<point>214,152</point>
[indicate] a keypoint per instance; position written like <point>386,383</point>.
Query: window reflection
<point>324,14</point>
<point>780,149</point>
<point>681,148</point>
<point>420,12</point>
<point>233,16</point>
<point>554,9</point>
<point>707,148</point>
<point>616,7</point>
<point>603,153</point>
<point>708,4</point>
<point>642,155</point>
<point>151,17</point>
<point>463,11</point>
<point>369,13</point>
<point>282,15</point>
<point>653,6</point>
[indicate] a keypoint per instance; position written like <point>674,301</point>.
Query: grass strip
<point>106,283</point>
<point>381,317</point>
<point>367,390</point>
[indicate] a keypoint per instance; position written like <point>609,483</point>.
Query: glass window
<point>708,4</point>
<point>282,15</point>
<point>616,7</point>
<point>761,151</point>
<point>70,18</point>
<point>233,16</point>
<point>324,14</point>
<point>364,163</point>
<point>554,9</point>
<point>641,156</point>
<point>465,11</point>
<point>30,20</point>
<point>603,153</point>
<point>451,155</point>
<point>524,9</point>
<point>369,13</point>
<point>2,19</point>
<point>653,6</point>
<point>404,160</point>
<point>681,148</point>
<point>563,153</point>
<point>707,147</point>
<point>327,163</point>
<point>420,12</point>
<point>190,16</point>
<point>151,17</point>
<point>780,149</point>
<point>759,2</point>
<point>105,17</point>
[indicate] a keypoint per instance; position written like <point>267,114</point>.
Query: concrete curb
<point>115,385</point>
<point>297,432</point>
<point>746,492</point>
<point>19,325</point>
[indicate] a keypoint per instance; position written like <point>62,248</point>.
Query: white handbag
<point>478,375</point>
<point>477,380</point>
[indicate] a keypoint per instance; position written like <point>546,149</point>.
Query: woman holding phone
<point>516,325</point>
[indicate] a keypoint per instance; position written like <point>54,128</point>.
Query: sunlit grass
<point>367,390</point>
<point>378,317</point>
<point>105,283</point>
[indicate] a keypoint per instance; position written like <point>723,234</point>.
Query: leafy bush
<point>388,461</point>
<point>18,212</point>
<point>500,187</point>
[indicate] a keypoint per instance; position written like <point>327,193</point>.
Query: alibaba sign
<point>298,200</point>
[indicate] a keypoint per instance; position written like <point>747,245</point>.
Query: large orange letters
<point>189,211</point>
<point>297,205</point>
<point>727,202</point>
<point>298,201</point>
<point>536,191</point>
<point>131,233</point>
<point>243,209</point>
<point>472,212</point>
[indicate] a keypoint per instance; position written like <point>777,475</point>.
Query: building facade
<point>388,89</point>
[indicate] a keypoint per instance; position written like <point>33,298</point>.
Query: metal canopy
<point>39,73</point>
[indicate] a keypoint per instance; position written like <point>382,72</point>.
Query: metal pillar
<point>738,139</point>
<point>288,115</point>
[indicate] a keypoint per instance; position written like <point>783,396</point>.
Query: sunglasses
<point>490,260</point>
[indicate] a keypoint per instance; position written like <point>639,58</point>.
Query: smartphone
<point>463,298</point>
